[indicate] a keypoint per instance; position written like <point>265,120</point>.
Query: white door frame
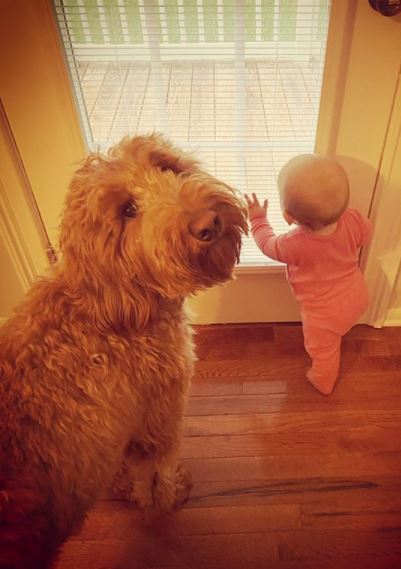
<point>21,230</point>
<point>382,261</point>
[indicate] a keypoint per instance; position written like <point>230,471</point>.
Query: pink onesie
<point>325,277</point>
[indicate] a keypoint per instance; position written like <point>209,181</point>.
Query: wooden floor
<point>283,476</point>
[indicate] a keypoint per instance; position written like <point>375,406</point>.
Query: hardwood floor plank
<point>317,465</point>
<point>273,385</point>
<point>342,490</point>
<point>349,384</point>
<point>365,332</point>
<point>382,514</point>
<point>205,388</point>
<point>123,521</point>
<point>265,350</point>
<point>286,367</point>
<point>339,545</point>
<point>248,351</point>
<point>356,562</point>
<point>285,333</point>
<point>279,367</point>
<point>290,402</point>
<point>280,423</point>
<point>359,439</point>
<point>253,551</point>
<point>238,333</point>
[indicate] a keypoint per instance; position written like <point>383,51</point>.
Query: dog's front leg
<point>159,484</point>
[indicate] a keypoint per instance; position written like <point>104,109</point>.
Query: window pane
<point>236,81</point>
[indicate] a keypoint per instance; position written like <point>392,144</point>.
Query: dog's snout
<point>206,225</point>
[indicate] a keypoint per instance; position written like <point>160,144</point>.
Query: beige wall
<point>218,304</point>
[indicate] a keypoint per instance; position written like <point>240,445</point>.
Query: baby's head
<point>314,190</point>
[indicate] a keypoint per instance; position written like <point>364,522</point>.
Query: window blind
<point>236,81</point>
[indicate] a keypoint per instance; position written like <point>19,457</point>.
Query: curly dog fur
<point>95,363</point>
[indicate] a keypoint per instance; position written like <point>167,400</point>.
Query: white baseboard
<point>393,317</point>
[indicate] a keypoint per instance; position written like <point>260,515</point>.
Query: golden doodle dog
<point>95,363</point>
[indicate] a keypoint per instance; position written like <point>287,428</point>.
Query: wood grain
<point>283,477</point>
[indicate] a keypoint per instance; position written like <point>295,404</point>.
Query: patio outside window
<point>236,81</point>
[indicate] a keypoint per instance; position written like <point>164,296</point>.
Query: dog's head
<point>146,215</point>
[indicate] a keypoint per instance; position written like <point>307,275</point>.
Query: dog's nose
<point>206,225</point>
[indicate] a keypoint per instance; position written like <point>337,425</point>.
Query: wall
<point>217,304</point>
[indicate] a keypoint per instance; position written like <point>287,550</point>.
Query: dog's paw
<point>143,496</point>
<point>121,487</point>
<point>183,485</point>
<point>170,492</point>
<point>164,496</point>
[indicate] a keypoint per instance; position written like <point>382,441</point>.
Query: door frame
<point>31,31</point>
<point>382,262</point>
<point>21,229</point>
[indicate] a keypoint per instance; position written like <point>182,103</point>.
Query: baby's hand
<point>254,207</point>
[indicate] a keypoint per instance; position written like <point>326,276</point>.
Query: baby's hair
<point>314,190</point>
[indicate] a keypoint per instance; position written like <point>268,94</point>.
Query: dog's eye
<point>129,210</point>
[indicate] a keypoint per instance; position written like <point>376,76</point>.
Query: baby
<point>321,255</point>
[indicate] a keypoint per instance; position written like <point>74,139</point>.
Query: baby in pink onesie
<point>321,254</point>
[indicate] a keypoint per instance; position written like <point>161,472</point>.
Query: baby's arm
<point>268,242</point>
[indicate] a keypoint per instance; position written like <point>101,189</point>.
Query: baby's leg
<point>324,347</point>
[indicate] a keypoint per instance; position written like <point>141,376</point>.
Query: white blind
<point>236,81</point>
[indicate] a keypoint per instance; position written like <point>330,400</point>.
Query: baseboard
<point>393,317</point>
<point>390,322</point>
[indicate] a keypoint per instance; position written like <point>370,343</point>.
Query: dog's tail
<point>26,538</point>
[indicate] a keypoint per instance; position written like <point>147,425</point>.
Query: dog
<point>95,363</point>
